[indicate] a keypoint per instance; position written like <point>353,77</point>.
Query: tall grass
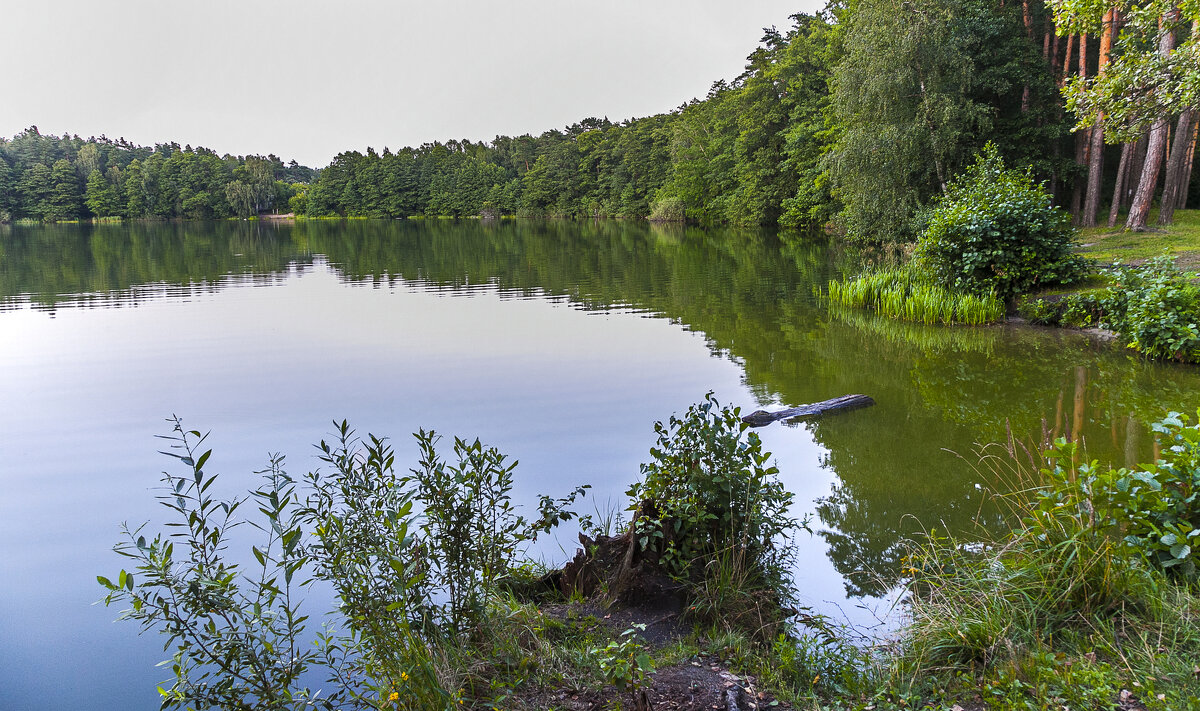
<point>1060,613</point>
<point>901,294</point>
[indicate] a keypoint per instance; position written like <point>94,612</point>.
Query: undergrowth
<point>1154,308</point>
<point>1089,603</point>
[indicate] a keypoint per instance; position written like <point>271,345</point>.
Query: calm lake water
<point>559,343</point>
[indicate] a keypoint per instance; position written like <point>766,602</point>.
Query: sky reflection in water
<point>559,343</point>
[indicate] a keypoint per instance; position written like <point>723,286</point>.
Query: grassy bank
<point>1181,240</point>
<point>1090,602</point>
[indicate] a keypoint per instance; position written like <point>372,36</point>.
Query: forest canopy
<point>855,119</point>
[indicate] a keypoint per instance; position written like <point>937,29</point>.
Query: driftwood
<point>760,418</point>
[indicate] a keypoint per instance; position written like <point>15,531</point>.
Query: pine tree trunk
<point>1118,198</point>
<point>1173,187</point>
<point>1066,67</point>
<point>1139,210</point>
<point>1137,167</point>
<point>1190,159</point>
<point>1189,163</point>
<point>1083,141</point>
<point>1053,52</point>
<point>1091,205</point>
<point>1027,18</point>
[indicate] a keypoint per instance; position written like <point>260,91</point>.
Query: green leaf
<point>644,662</point>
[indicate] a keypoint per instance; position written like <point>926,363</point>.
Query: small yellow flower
<point>394,696</point>
<point>403,676</point>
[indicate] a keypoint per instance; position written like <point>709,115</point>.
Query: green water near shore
<point>558,342</point>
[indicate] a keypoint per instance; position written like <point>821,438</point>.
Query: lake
<point>560,343</point>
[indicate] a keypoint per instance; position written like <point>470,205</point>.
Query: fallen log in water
<point>759,418</point>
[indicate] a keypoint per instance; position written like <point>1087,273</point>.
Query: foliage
<point>472,531</point>
<point>624,661</point>
<point>997,231</point>
<point>711,500</point>
<point>1074,607</point>
<point>1141,84</point>
<point>1154,509</point>
<point>904,294</point>
<point>56,178</point>
<point>669,209</point>
<point>1081,310</point>
<point>922,86</point>
<point>1156,308</point>
<point>861,110</point>
<point>238,634</point>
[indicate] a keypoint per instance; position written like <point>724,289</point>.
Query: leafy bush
<point>1072,310</point>
<point>625,662</point>
<point>711,506</point>
<point>1157,308</point>
<point>236,635</point>
<point>415,561</point>
<point>996,231</point>
<point>1154,509</point>
<point>668,209</point>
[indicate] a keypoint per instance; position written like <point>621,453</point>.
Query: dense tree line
<point>58,178</point>
<point>857,116</point>
<point>748,153</point>
<point>862,113</point>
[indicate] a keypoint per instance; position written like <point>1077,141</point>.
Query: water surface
<point>560,343</point>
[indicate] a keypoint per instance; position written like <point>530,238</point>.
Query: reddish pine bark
<point>1189,163</point>
<point>1066,67</point>
<point>1119,189</point>
<point>1139,210</point>
<point>1173,183</point>
<point>1083,141</point>
<point>1091,204</point>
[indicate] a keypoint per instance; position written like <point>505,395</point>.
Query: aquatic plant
<point>901,293</point>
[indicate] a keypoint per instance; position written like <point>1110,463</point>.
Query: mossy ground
<point>1107,245</point>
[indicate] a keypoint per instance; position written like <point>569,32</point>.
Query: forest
<point>854,119</point>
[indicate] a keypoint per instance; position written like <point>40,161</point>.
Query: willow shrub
<point>996,231</point>
<point>718,515</point>
<point>416,561</point>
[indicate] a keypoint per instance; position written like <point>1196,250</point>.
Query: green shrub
<point>624,662</point>
<point>712,488</point>
<point>712,510</point>
<point>1156,308</point>
<point>1072,310</point>
<point>416,563</point>
<point>997,231</point>
<point>1154,509</point>
<point>1042,312</point>
<point>668,209</point>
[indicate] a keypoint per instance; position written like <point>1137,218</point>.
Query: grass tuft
<point>899,294</point>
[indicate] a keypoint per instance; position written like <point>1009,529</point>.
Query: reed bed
<point>900,294</point>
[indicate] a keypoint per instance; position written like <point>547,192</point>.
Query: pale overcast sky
<point>306,80</point>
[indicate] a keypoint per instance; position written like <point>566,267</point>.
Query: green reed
<point>898,293</point>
